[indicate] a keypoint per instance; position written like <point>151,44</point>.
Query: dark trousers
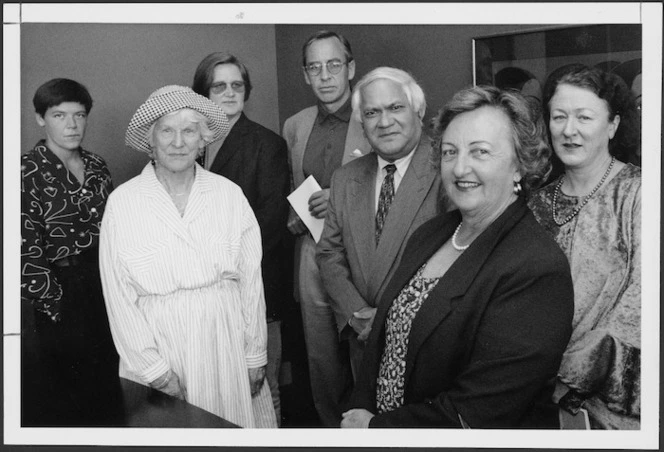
<point>69,369</point>
<point>329,361</point>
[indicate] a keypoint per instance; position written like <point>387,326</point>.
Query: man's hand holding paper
<point>309,201</point>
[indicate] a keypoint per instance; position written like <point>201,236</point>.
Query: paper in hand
<point>299,199</point>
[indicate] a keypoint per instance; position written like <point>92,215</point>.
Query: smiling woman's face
<point>177,141</point>
<point>479,163</point>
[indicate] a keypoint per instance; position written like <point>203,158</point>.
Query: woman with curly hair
<point>593,210</point>
<point>472,327</point>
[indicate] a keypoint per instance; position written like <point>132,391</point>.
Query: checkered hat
<point>167,100</point>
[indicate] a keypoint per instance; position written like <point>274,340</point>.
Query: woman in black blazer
<point>256,159</point>
<point>471,330</point>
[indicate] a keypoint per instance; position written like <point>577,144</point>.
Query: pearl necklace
<point>454,243</point>
<point>574,213</point>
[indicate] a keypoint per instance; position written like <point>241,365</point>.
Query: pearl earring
<point>517,187</point>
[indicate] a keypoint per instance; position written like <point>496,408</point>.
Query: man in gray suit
<point>377,202</point>
<point>320,139</point>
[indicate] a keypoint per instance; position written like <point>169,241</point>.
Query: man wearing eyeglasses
<point>320,139</point>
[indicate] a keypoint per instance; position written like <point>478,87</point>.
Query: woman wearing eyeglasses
<point>256,159</point>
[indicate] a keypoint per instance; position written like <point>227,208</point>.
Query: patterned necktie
<point>385,199</point>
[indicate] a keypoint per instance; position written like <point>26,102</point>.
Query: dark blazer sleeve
<point>489,352</point>
<point>273,183</point>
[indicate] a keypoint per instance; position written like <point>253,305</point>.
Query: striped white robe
<point>186,293</point>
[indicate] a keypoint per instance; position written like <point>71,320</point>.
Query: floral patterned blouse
<point>390,388</point>
<point>603,246</point>
<point>59,218</point>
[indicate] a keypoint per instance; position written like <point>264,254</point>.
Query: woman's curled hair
<point>528,130</point>
<point>619,100</point>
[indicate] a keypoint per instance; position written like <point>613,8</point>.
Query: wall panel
<point>121,64</point>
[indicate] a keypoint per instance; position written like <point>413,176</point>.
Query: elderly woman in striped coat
<point>180,254</point>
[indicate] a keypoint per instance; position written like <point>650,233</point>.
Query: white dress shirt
<point>402,166</point>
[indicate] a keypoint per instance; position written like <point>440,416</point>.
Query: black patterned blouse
<point>59,218</point>
<point>390,388</point>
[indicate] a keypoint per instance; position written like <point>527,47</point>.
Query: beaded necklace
<point>576,210</point>
<point>454,237</point>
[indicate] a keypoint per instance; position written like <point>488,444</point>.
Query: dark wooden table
<point>121,403</point>
<point>147,407</point>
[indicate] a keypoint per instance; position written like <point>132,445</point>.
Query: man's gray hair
<point>413,91</point>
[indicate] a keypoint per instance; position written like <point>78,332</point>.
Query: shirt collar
<point>53,158</point>
<point>401,164</point>
<point>343,113</point>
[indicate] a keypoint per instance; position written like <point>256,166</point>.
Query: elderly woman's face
<point>177,142</point>
<point>479,163</point>
<point>580,126</point>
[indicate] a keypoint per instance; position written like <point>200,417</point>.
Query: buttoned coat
<point>486,344</point>
<point>354,270</point>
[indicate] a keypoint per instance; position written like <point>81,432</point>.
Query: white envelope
<point>299,199</point>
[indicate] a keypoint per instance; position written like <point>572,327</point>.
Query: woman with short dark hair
<point>64,189</point>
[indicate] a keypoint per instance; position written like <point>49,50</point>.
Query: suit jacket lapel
<point>417,253</point>
<point>231,145</point>
<point>361,212</point>
<point>455,283</point>
<point>355,141</point>
<point>302,137</point>
<point>420,251</point>
<point>411,193</point>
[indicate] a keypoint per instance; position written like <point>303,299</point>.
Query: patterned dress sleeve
<point>606,361</point>
<point>38,283</point>
<point>251,289</point>
<point>622,389</point>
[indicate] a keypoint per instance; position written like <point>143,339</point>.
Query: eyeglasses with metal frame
<point>333,67</point>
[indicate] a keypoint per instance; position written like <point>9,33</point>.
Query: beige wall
<point>122,64</point>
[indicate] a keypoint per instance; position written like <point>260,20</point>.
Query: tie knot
<point>391,168</point>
